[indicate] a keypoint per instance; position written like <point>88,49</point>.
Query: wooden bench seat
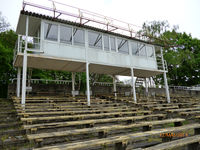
<point>191,141</point>
<point>183,109</point>
<point>57,108</point>
<point>76,112</point>
<point>83,116</point>
<point>160,105</point>
<point>165,108</point>
<point>190,113</point>
<point>70,106</point>
<point>93,121</point>
<point>104,129</point>
<point>120,141</point>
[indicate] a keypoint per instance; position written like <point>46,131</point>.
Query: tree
<point>4,25</point>
<point>181,51</point>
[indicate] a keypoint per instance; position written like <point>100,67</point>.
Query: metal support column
<point>25,65</point>
<point>146,87</point>
<point>18,81</point>
<point>88,83</point>
<point>166,87</point>
<point>73,84</point>
<point>133,85</point>
<point>165,78</point>
<point>114,86</point>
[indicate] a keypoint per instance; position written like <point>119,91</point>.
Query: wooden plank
<point>190,113</point>
<point>69,109</point>
<point>102,128</point>
<point>175,143</point>
<point>117,139</point>
<point>82,116</point>
<point>165,108</point>
<point>184,109</point>
<point>77,112</point>
<point>93,121</point>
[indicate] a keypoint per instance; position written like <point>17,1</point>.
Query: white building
<point>58,44</point>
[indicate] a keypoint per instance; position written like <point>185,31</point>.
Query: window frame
<point>122,52</point>
<point>95,47</point>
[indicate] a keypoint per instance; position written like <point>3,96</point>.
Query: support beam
<point>146,87</point>
<point>133,85</point>
<point>166,87</point>
<point>114,87</point>
<point>73,84</point>
<point>165,78</point>
<point>25,65</point>
<point>18,81</point>
<point>88,83</point>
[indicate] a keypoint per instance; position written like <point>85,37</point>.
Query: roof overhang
<point>34,25</point>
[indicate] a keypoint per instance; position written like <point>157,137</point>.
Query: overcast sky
<point>184,13</point>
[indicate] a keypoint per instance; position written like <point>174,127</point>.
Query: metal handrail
<point>87,17</point>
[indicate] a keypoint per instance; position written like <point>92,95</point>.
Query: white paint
<point>25,65</point>
<point>146,86</point>
<point>114,86</point>
<point>133,85</point>
<point>18,81</point>
<point>165,78</point>
<point>95,55</point>
<point>88,83</point>
<point>73,84</point>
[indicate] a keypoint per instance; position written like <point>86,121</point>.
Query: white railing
<point>110,84</point>
<point>181,87</point>
<point>33,46</point>
<point>45,81</point>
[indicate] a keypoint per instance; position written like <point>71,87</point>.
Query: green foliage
<point>7,43</point>
<point>181,51</point>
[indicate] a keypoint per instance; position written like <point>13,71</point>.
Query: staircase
<point>139,82</point>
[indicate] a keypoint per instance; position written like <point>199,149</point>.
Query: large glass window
<point>112,44</point>
<point>142,49</point>
<point>134,48</point>
<point>150,51</point>
<point>106,42</point>
<point>95,39</point>
<point>50,31</point>
<point>79,36</point>
<point>65,34</point>
<point>122,46</point>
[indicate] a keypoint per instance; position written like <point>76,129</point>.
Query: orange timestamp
<point>172,134</point>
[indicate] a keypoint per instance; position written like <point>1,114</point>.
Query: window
<point>50,32</point>
<point>79,36</point>
<point>65,34</point>
<point>112,44</point>
<point>150,51</point>
<point>106,42</point>
<point>95,39</point>
<point>142,49</point>
<point>134,48</point>
<point>122,46</point>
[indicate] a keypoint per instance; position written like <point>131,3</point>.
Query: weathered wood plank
<point>176,143</point>
<point>99,129</point>
<point>117,139</point>
<point>94,121</point>
<point>82,116</point>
